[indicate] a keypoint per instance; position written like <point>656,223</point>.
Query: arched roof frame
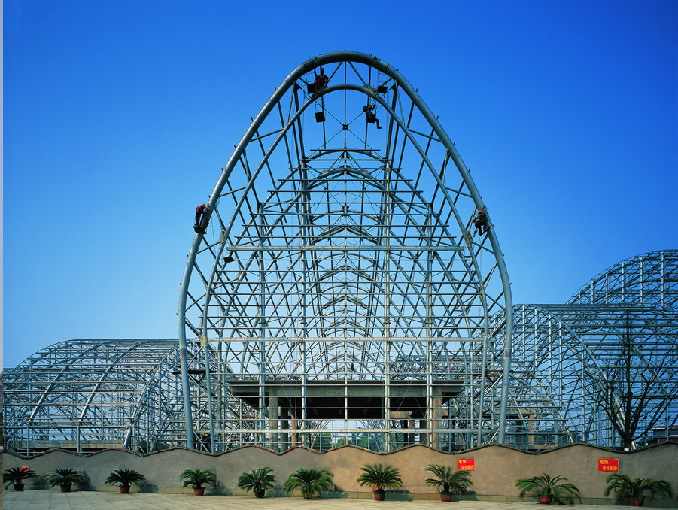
<point>252,136</point>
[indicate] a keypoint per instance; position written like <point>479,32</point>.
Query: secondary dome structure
<point>603,367</point>
<point>338,280</point>
<point>87,395</point>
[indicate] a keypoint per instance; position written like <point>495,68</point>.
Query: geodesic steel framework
<point>612,348</point>
<point>336,278</point>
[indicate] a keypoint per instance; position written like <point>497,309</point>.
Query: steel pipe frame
<point>91,392</point>
<point>566,352</point>
<point>561,355</point>
<point>348,58</point>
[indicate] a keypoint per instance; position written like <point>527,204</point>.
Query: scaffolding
<point>337,277</point>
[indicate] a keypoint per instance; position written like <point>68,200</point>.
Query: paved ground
<point>44,500</point>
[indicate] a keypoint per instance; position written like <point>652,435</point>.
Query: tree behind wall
<point>631,393</point>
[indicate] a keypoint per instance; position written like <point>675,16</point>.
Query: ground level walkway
<point>48,500</point>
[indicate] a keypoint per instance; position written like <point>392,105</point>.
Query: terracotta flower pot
<point>259,494</point>
<point>635,502</point>
<point>18,486</point>
<point>65,487</point>
<point>199,491</point>
<point>546,500</point>
<point>124,489</point>
<point>379,495</point>
<point>446,497</point>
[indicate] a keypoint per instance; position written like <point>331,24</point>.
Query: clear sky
<point>118,116</point>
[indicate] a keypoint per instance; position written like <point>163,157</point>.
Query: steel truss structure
<point>336,279</point>
<point>612,348</point>
<point>337,293</point>
<point>92,394</point>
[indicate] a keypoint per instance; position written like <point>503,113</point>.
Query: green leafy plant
<point>16,476</point>
<point>310,481</point>
<point>257,481</point>
<point>124,477</point>
<point>66,477</point>
<point>380,477</point>
<point>197,478</point>
<point>549,487</point>
<point>448,481</point>
<point>636,489</point>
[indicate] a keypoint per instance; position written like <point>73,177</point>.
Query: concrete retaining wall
<point>496,467</point>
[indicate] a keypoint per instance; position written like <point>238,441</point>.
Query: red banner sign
<point>608,465</point>
<point>466,464</point>
<point>24,469</point>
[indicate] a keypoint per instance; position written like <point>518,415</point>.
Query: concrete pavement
<point>90,500</point>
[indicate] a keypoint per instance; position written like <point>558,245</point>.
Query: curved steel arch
<point>322,240</point>
<point>647,280</point>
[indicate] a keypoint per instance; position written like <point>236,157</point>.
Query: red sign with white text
<point>608,465</point>
<point>466,464</point>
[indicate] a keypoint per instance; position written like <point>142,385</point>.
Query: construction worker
<point>199,212</point>
<point>370,115</point>
<point>480,221</point>
<point>321,81</point>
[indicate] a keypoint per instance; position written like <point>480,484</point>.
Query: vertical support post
<point>273,438</point>
<point>209,391</point>
<point>386,239</point>
<point>293,426</point>
<point>284,425</point>
<point>431,402</point>
<point>262,326</point>
<point>306,222</point>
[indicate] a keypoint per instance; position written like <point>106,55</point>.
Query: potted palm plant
<point>197,478</point>
<point>635,489</point>
<point>16,476</point>
<point>257,481</point>
<point>66,477</point>
<point>549,488</point>
<point>380,477</point>
<point>310,481</point>
<point>123,478</point>
<point>448,482</point>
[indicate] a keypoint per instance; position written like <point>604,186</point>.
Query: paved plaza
<point>44,500</point>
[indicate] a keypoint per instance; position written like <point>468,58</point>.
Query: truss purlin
<point>326,238</point>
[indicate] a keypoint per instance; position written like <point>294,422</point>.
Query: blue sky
<point>119,115</point>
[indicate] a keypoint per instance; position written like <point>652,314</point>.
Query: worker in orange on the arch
<point>480,221</point>
<point>199,212</point>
